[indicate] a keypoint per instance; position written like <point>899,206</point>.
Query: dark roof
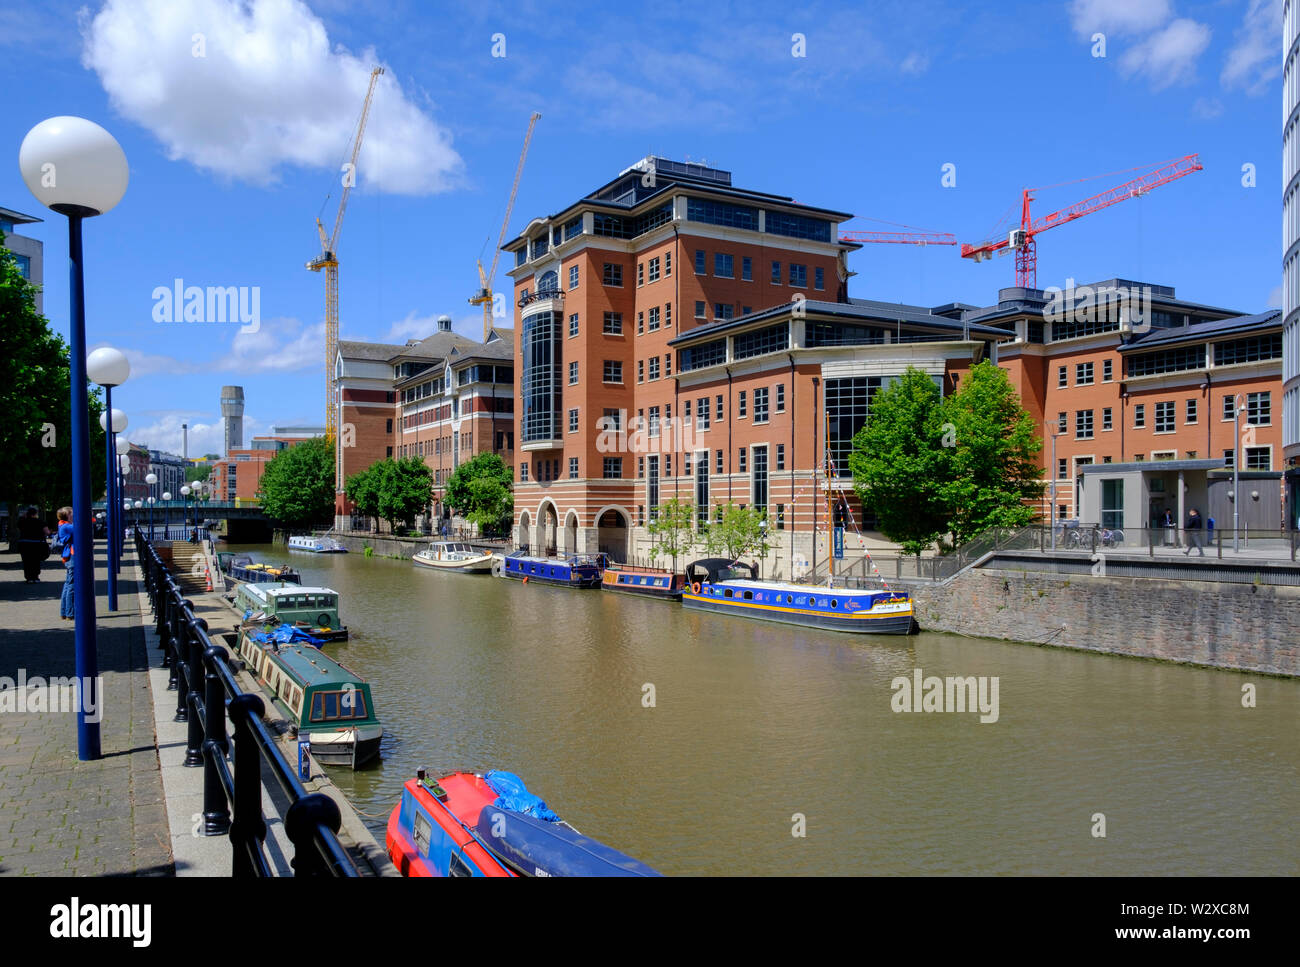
<point>437,346</point>
<point>1214,329</point>
<point>368,350</point>
<point>855,310</point>
<point>492,351</point>
<point>18,218</point>
<point>1018,301</point>
<point>1155,465</point>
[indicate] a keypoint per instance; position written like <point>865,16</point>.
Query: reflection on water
<point>754,723</point>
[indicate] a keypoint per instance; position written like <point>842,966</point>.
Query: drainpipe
<point>1209,424</point>
<point>791,504</point>
<point>815,501</point>
<point>731,405</point>
<point>677,301</point>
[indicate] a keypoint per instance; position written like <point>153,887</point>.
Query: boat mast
<point>830,509</point>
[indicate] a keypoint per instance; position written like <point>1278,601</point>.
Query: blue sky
<point>233,153</point>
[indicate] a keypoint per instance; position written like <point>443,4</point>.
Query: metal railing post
<point>191,671</point>
<point>301,822</point>
<point>1151,542</point>
<point>216,811</point>
<point>248,830</point>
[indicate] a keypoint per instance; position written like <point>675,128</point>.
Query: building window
<point>1191,412</point>
<point>776,273</point>
<point>1175,360</point>
<point>747,269</point>
<point>819,278</point>
<point>760,405</point>
<point>654,269</point>
<point>741,405</point>
<point>1259,458</point>
<point>780,517</point>
<point>1227,408</point>
<point>654,421</point>
<point>740,458</point>
<point>1259,408</point>
<point>799,276</point>
<point>718,461</point>
<point>613,371</point>
<point>686,463</point>
<point>724,310</point>
<point>613,323</point>
<point>1227,459</point>
<point>699,261</point>
<point>723,266</point>
<point>573,277</point>
<point>668,263</point>
<point>718,401</point>
<point>780,397</point>
<point>654,367</point>
<point>1062,469</point>
<point>1251,350</point>
<point>1083,424</point>
<point>654,319</point>
<point>1083,374</point>
<point>699,310</point>
<point>613,275</point>
<point>613,468</point>
<point>668,364</point>
<point>573,325</point>
<point>612,419</point>
<point>1165,417</point>
<point>1107,423</point>
<point>523,473</point>
<point>686,410</point>
<point>573,373</point>
<point>652,487</point>
<point>640,323</point>
<point>1139,416</point>
<point>668,315</point>
<point>758,485</point>
<point>573,468</point>
<point>780,456</point>
<point>1061,379</point>
<point>702,414</point>
<point>1060,422</point>
<point>640,370</point>
<point>702,494</point>
<point>573,420</point>
<point>1106,371</point>
<point>640,274</point>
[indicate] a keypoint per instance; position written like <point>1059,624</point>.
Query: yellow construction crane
<point>484,296</point>
<point>328,260</point>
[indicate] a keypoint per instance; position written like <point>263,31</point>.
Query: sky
<point>236,119</point>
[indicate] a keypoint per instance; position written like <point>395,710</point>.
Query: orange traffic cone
<point>207,576</point>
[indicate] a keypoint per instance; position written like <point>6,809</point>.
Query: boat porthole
<point>834,603</point>
<point>322,620</point>
<point>789,599</point>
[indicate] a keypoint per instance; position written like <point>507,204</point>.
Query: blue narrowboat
<point>574,571</point>
<point>729,587</point>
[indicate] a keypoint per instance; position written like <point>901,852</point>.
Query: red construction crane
<point>913,236</point>
<point>1022,240</point>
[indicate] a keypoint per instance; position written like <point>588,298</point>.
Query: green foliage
<point>670,529</point>
<point>994,468</point>
<point>737,531</point>
<point>35,391</point>
<point>394,489</point>
<point>297,487</point>
<point>482,491</point>
<point>931,466</point>
<point>898,461</point>
<point>201,472</point>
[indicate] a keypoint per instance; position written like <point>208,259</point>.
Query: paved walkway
<point>58,815</point>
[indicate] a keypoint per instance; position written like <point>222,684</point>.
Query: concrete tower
<point>232,414</point>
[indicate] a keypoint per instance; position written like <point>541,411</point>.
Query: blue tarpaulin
<point>513,794</point>
<point>284,635</point>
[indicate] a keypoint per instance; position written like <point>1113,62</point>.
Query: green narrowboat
<point>329,703</point>
<point>315,610</point>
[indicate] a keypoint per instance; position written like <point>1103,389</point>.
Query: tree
<point>297,487</point>
<point>482,491</point>
<point>670,529</point>
<point>35,396</point>
<point>899,462</point>
<point>737,531</point>
<point>403,488</point>
<point>360,490</point>
<point>993,471</point>
<point>198,472</point>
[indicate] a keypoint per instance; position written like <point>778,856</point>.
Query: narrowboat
<point>454,556</point>
<point>467,824</point>
<point>729,587</point>
<point>317,545</point>
<point>649,582</point>
<point>574,571</point>
<point>241,567</point>
<point>315,610</point>
<point>325,700</point>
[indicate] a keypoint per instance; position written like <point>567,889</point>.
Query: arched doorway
<point>571,533</point>
<point>611,533</point>
<point>524,539</point>
<point>549,522</point>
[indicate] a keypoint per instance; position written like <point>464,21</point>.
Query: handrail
<point>204,680</point>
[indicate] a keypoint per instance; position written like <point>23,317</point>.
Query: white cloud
<point>1255,60</point>
<point>1275,297</point>
<point>268,91</point>
<point>279,345</point>
<point>1207,108</point>
<point>412,327</point>
<point>914,63</point>
<point>1169,55</point>
<point>206,434</point>
<point>1117,16</point>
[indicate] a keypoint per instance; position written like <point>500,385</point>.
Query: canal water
<point>759,731</point>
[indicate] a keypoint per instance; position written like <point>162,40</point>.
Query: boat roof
<point>787,588</point>
<point>267,589</point>
<point>313,667</point>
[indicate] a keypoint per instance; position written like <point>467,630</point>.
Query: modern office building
<point>1291,257</point>
<point>29,252</point>
<point>170,471</point>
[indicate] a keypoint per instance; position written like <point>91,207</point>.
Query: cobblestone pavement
<point>60,816</point>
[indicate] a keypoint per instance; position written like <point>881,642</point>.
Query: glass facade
<point>770,339</point>
<point>848,403</point>
<point>540,385</point>
<point>721,213</point>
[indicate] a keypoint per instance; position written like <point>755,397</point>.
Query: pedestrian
<point>65,535</point>
<point>33,544</point>
<point>1171,539</point>
<point>1194,533</point>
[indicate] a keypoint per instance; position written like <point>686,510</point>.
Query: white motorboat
<point>454,556</point>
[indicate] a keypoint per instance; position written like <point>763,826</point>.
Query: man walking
<point>1194,533</point>
<point>33,544</point>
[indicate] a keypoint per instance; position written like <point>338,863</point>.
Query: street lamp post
<point>114,422</point>
<point>150,479</point>
<point>185,511</point>
<point>167,515</point>
<point>76,168</point>
<point>1238,408</point>
<point>123,468</point>
<point>1056,431</point>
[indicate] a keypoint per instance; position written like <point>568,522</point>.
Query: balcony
<point>540,296</point>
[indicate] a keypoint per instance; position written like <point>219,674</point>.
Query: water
<point>754,723</point>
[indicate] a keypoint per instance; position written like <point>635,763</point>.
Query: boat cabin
<point>312,607</point>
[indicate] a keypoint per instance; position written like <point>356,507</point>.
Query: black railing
<point>205,688</point>
<point>540,295</point>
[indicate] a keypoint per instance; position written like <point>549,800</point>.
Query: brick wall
<point>1237,626</point>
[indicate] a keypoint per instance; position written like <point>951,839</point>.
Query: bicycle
<point>1111,537</point>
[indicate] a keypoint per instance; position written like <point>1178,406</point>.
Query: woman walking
<point>33,544</point>
<point>65,543</point>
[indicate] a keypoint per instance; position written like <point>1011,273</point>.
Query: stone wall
<point>1245,627</point>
